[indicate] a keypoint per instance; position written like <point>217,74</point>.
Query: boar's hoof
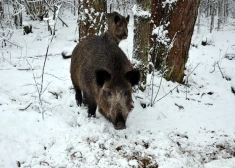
<point>91,115</point>
<point>120,125</point>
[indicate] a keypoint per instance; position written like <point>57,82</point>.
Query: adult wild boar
<point>103,76</point>
<point>117,28</point>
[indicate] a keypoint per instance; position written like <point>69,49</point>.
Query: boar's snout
<point>124,36</point>
<point>120,125</point>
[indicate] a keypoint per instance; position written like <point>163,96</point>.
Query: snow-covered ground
<point>190,127</point>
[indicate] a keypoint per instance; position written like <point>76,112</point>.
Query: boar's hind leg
<point>78,95</point>
<point>90,102</point>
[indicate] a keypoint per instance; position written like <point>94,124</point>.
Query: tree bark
<point>174,21</point>
<point>91,17</point>
<point>1,10</point>
<point>225,10</point>
<point>220,14</point>
<point>199,18</point>
<point>212,16</point>
<point>142,39</point>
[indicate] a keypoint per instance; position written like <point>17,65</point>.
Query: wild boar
<point>103,76</point>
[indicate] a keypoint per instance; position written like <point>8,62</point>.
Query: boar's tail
<point>65,56</point>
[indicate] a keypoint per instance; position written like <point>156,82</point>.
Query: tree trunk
<point>1,10</point>
<point>74,8</point>
<point>199,19</point>
<point>172,32</point>
<point>225,10</point>
<point>91,17</point>
<point>142,38</point>
<point>220,14</point>
<point>212,16</point>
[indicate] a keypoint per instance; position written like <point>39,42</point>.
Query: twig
<point>9,62</point>
<point>26,69</point>
<point>152,79</point>
<point>55,94</point>
<point>55,76</point>
<point>186,89</point>
<point>26,107</point>
<point>54,11</point>
<point>36,56</point>
<point>44,163</point>
<point>167,93</point>
<point>180,107</point>
<point>217,63</point>
<point>3,38</point>
<point>36,85</point>
<point>51,108</point>
<point>44,64</point>
<point>213,67</point>
<point>34,78</point>
<point>46,87</point>
<point>177,85</point>
<point>220,70</point>
<point>157,91</point>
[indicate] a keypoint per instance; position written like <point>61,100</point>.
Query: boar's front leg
<point>78,95</point>
<point>90,102</point>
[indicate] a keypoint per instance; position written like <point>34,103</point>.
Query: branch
<point>54,11</point>
<point>30,12</point>
<point>25,107</point>
<point>59,78</point>
<point>178,84</point>
<point>220,70</point>
<point>158,90</point>
<point>44,64</point>
<point>3,38</point>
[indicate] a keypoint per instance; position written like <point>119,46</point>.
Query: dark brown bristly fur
<point>105,76</point>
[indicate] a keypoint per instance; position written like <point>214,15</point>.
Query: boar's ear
<point>108,15</point>
<point>127,18</point>
<point>116,19</point>
<point>133,77</point>
<point>102,76</point>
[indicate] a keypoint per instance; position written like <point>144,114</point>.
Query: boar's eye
<point>108,93</point>
<point>127,93</point>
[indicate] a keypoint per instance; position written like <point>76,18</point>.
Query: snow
<point>196,129</point>
<point>137,11</point>
<point>162,34</point>
<point>170,2</point>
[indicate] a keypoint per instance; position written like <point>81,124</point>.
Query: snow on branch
<point>161,34</point>
<point>138,11</point>
<point>170,2</point>
<point>54,11</point>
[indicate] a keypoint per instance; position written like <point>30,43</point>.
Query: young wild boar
<point>102,72</point>
<point>117,28</point>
